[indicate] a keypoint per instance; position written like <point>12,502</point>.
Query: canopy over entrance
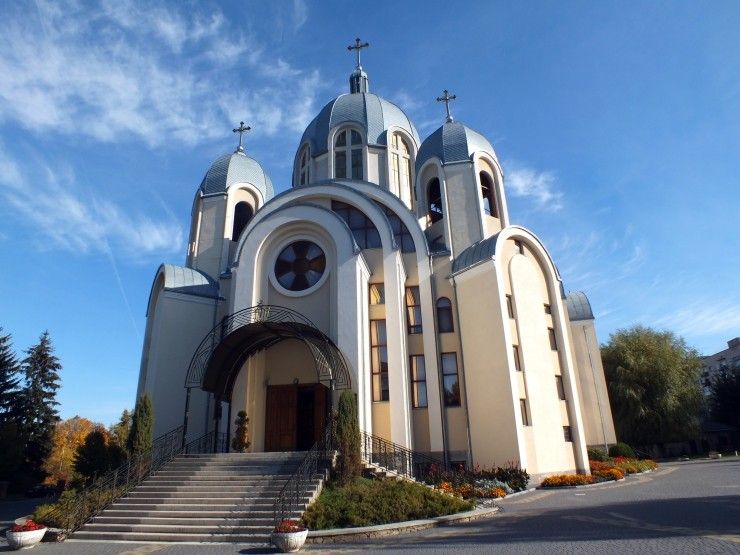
<point>219,357</point>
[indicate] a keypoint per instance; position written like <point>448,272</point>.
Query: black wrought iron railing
<point>398,459</point>
<point>72,511</point>
<point>317,463</point>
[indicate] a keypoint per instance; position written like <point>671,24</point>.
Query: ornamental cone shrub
<point>240,443</point>
<point>348,438</point>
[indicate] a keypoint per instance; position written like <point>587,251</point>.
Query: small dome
<point>368,110</point>
<point>453,142</point>
<point>236,168</point>
<point>578,306</point>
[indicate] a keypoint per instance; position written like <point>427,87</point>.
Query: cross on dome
<point>446,98</point>
<point>358,45</point>
<point>241,130</point>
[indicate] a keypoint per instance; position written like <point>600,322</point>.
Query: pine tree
<point>9,378</point>
<point>120,431</point>
<point>142,427</point>
<point>349,464</point>
<point>38,403</point>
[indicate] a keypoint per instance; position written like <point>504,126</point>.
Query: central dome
<point>373,113</point>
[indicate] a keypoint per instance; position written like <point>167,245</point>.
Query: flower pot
<point>24,540</point>
<point>289,542</point>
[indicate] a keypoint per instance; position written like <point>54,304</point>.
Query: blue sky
<point>618,126</point>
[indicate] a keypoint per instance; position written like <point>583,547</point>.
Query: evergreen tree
<point>92,458</point>
<point>38,403</point>
<point>9,378</point>
<point>120,431</point>
<point>142,427</point>
<point>348,438</point>
<point>725,399</point>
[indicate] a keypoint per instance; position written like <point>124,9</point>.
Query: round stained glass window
<point>300,265</point>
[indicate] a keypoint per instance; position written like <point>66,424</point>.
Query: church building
<point>389,268</point>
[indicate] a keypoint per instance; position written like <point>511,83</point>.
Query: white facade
<point>398,254</point>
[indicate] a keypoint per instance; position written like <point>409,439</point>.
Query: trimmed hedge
<point>621,450</point>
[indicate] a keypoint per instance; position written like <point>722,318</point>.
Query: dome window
<point>488,195</point>
<point>348,155</point>
<point>300,265</point>
<point>434,198</point>
<point>242,214</point>
<point>304,171</point>
<point>401,167</point>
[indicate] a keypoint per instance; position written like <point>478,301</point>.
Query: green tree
<point>348,438</point>
<point>142,426</point>
<point>92,457</point>
<point>653,383</point>
<point>38,403</point>
<point>9,378</point>
<point>240,443</point>
<point>11,448</point>
<point>120,431</point>
<point>724,402</point>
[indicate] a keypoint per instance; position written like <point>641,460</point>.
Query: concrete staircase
<point>203,498</point>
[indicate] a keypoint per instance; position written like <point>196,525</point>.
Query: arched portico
<point>223,352</point>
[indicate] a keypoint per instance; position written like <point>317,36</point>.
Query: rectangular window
<point>548,310</point>
<point>450,380</point>
<point>517,360</point>
<point>519,247</point>
<point>510,306</point>
<point>525,412</point>
<point>357,163</point>
<point>561,388</point>
<point>553,339</point>
<point>340,163</point>
<point>418,382</point>
<point>379,360</point>
<point>413,310</point>
<point>377,293</point>
<point>567,434</point>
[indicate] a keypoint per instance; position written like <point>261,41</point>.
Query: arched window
<point>303,171</point>
<point>348,155</point>
<point>488,195</point>
<point>444,316</point>
<point>401,167</point>
<point>434,198</point>
<point>242,214</point>
<point>364,231</point>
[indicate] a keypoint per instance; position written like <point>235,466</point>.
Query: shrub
<point>348,438</point>
<point>643,465</point>
<point>365,502</point>
<point>240,443</point>
<point>597,466</point>
<point>598,455</point>
<point>512,474</point>
<point>568,480</point>
<point>609,474</point>
<point>142,426</point>
<point>621,450</point>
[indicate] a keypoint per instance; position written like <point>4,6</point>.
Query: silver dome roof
<point>579,308</point>
<point>453,142</point>
<point>236,168</point>
<point>373,113</point>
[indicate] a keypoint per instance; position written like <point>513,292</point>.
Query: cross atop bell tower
<point>241,130</point>
<point>447,98</point>
<point>358,81</point>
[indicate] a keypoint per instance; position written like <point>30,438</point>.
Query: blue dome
<point>236,168</point>
<point>453,142</point>
<point>371,112</point>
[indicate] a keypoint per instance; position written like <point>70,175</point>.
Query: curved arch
<point>348,152</point>
<point>243,212</point>
<point>519,232</point>
<point>220,355</point>
<point>435,212</point>
<point>445,321</point>
<point>488,194</point>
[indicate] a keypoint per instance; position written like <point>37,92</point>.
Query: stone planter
<point>24,540</point>
<point>289,542</point>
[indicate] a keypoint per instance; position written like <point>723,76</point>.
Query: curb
<point>338,535</point>
<point>517,494</point>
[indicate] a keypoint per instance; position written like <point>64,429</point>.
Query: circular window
<point>300,265</point>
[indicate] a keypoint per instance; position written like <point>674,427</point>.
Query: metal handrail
<point>114,484</point>
<point>397,458</point>
<point>318,461</point>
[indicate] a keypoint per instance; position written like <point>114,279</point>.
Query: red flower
<point>287,526</point>
<point>29,526</point>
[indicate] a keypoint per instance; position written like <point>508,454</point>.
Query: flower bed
<point>601,471</point>
<point>562,480</point>
<point>480,483</point>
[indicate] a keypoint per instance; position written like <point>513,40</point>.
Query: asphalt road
<point>691,507</point>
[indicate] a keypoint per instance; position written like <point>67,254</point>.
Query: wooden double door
<point>295,416</point>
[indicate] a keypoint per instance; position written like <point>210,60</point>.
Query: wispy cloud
<point>77,221</point>
<point>539,185</point>
<point>124,70</point>
<point>300,13</point>
<point>703,318</point>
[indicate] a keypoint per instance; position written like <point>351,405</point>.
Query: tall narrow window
<point>377,293</point>
<point>418,381</point>
<point>444,316</point>
<point>401,167</point>
<point>517,358</point>
<point>379,360</point>
<point>413,310</point>
<point>560,387</point>
<point>303,171</point>
<point>242,214</point>
<point>548,310</point>
<point>488,195</point>
<point>525,412</point>
<point>510,306</point>
<point>567,434</point>
<point>348,155</point>
<point>553,339</point>
<point>434,198</point>
<point>519,246</point>
<point>450,380</point>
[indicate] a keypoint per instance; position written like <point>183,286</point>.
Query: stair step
<point>194,519</point>
<point>195,513</point>
<point>182,529</point>
<point>171,537</point>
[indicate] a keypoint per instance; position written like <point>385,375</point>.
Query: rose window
<point>300,265</point>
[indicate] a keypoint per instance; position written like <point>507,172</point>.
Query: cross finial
<point>358,45</point>
<point>241,130</point>
<point>446,98</point>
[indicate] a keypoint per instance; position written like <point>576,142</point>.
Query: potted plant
<point>25,536</point>
<point>289,536</point>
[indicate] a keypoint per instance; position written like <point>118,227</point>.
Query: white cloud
<point>300,14</point>
<point>704,318</point>
<point>541,186</point>
<point>123,71</point>
<point>78,221</point>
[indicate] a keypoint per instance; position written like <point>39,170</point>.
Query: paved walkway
<point>681,508</point>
